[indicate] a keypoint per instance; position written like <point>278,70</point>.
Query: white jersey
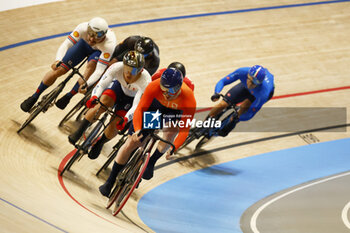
<point>106,47</point>
<point>135,89</point>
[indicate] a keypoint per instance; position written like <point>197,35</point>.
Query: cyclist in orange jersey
<point>164,99</point>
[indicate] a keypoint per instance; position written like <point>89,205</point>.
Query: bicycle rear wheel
<point>72,112</point>
<point>82,113</point>
<point>43,105</point>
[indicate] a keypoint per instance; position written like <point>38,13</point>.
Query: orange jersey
<point>184,102</point>
<point>187,80</point>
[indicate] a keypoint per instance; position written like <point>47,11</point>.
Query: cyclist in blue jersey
<point>256,87</point>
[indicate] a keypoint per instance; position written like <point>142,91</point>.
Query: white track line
<point>344,215</point>
<point>260,209</point>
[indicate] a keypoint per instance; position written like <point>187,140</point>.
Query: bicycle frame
<point>49,99</point>
<point>97,131</point>
<point>129,178</point>
<point>113,153</point>
<point>197,133</point>
<point>76,108</point>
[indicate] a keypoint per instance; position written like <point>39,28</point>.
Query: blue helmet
<point>257,73</point>
<point>171,81</point>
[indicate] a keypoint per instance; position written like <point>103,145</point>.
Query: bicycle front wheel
<point>31,117</point>
<point>121,178</point>
<point>74,158</point>
<point>43,105</point>
<point>192,135</point>
<point>112,155</point>
<point>204,140</point>
<point>134,181</point>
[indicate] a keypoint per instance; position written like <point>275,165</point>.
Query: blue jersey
<point>261,92</point>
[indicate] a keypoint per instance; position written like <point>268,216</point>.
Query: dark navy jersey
<point>261,92</point>
<point>151,61</point>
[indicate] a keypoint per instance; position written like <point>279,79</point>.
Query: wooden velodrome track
<point>306,47</point>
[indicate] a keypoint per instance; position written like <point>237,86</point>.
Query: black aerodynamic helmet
<point>135,60</point>
<point>144,45</point>
<point>179,66</point>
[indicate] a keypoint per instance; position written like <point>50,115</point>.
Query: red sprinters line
<point>60,179</point>
<point>296,94</point>
<point>311,92</point>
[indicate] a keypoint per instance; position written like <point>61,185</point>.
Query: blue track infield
<point>213,199</point>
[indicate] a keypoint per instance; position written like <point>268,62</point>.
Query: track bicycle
<point>49,99</point>
<point>205,134</point>
<point>79,108</point>
<point>85,143</point>
<point>116,147</point>
<point>129,178</point>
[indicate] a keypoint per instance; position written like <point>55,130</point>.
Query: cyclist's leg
<point>122,104</point>
<point>218,108</point>
<point>123,155</point>
<point>91,115</point>
<point>81,50</point>
<point>121,159</point>
<point>169,134</point>
<point>234,96</point>
<point>49,78</point>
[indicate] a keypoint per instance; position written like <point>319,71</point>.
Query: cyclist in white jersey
<point>93,39</point>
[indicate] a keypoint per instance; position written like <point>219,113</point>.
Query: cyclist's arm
<point>253,109</point>
<point>146,100</point>
<point>63,49</point>
<point>129,115</point>
<point>189,83</point>
<point>119,51</point>
<point>188,113</point>
<point>225,81</point>
<point>124,47</point>
<point>71,40</point>
<point>101,66</point>
<point>152,66</point>
<point>105,81</point>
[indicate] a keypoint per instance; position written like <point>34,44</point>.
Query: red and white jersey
<point>135,89</point>
<point>106,47</point>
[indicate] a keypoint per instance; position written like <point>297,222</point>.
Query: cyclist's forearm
<point>100,68</point>
<point>243,108</point>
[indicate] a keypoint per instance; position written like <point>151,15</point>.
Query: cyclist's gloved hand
<point>83,88</point>
<point>121,124</point>
<point>169,155</point>
<point>215,97</point>
<point>91,102</point>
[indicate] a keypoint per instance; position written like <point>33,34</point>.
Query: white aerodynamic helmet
<point>99,26</point>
